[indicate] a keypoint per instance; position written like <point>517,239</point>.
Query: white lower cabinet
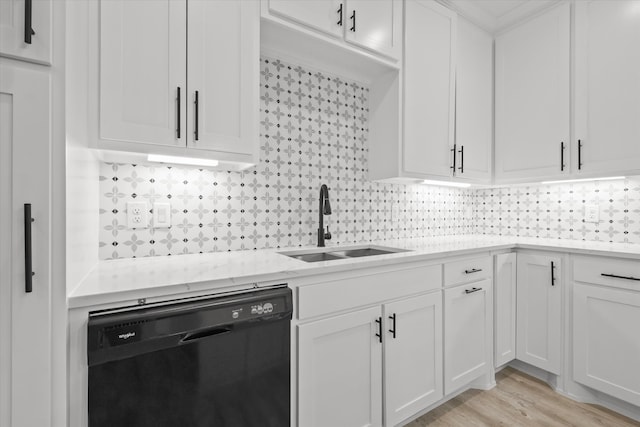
<point>505,309</point>
<point>340,370</point>
<point>539,315</point>
<point>606,342</point>
<point>413,356</point>
<point>466,328</point>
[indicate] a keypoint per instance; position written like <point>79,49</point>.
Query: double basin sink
<point>330,254</point>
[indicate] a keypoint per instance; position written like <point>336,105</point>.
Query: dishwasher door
<point>218,362</point>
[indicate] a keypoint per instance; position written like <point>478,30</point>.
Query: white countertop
<point>129,279</point>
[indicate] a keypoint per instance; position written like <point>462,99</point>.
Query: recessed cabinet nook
<point>374,339</point>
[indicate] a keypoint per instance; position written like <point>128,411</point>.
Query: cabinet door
<point>505,309</point>
<point>607,89</point>
<point>223,69</point>
<point>466,328</point>
<point>413,356</point>
<point>25,318</point>
<point>340,371</point>
<point>606,347</point>
<point>533,99</point>
<point>142,69</point>
<point>375,25</point>
<point>474,103</point>
<point>429,65</point>
<point>539,322</point>
<point>322,15</point>
<point>14,34</point>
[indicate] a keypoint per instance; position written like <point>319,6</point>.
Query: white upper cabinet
<point>474,103</point>
<point>375,25</point>
<point>18,39</point>
<point>539,315</point>
<point>143,79</point>
<point>148,53</point>
<point>429,89</point>
<point>328,16</point>
<point>607,95</point>
<point>532,98</point>
<point>223,69</point>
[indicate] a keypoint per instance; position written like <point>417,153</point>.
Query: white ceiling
<point>496,15</point>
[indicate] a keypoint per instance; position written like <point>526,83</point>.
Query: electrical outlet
<point>161,215</point>
<point>592,213</point>
<point>137,215</point>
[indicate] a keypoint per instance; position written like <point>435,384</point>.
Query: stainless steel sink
<point>315,255</point>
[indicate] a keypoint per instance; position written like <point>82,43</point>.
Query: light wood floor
<point>519,400</point>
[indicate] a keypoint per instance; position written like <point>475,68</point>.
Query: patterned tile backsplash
<point>558,211</point>
<point>314,131</point>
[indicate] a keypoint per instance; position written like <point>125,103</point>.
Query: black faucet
<point>325,209</point>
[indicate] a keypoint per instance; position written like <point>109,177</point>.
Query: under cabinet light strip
<point>571,181</point>
<point>446,183</point>
<point>181,160</point>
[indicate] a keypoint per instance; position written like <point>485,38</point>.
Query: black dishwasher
<point>222,361</point>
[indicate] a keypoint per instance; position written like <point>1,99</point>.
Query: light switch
<point>592,213</point>
<point>161,215</point>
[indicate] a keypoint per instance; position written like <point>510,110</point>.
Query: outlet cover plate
<point>137,215</point>
<point>592,213</point>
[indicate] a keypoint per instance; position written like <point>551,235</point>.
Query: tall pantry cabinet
<point>31,300</point>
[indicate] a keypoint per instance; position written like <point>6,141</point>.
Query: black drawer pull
<point>379,333</point>
<point>353,22</point>
<point>473,270</point>
<point>28,21</point>
<point>340,15</point>
<point>615,276</point>
<point>28,258</point>
<point>393,328</point>
<point>553,274</point>
<point>472,290</point>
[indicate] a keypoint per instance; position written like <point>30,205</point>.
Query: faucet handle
<point>327,235</point>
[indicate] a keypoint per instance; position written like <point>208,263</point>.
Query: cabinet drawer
<point>327,297</point>
<point>467,270</point>
<point>615,272</point>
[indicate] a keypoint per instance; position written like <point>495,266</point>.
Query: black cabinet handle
<point>579,154</point>
<point>615,276</point>
<point>453,151</point>
<point>340,15</point>
<point>553,273</point>
<point>353,22</point>
<point>473,270</point>
<point>393,328</point>
<point>28,258</point>
<point>562,156</point>
<point>197,107</point>
<point>28,15</point>
<point>461,151</point>
<point>178,108</point>
<point>379,333</point>
<point>472,290</point>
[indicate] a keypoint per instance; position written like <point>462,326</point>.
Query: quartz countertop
<point>126,280</point>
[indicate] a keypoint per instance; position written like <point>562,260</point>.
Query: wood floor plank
<point>519,400</point>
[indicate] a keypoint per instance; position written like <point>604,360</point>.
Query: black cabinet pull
<point>393,328</point>
<point>473,270</point>
<point>461,151</point>
<point>379,333</point>
<point>197,107</point>
<point>178,108</point>
<point>28,258</point>
<point>472,290</point>
<point>453,151</point>
<point>579,154</point>
<point>28,15</point>
<point>340,15</point>
<point>615,276</point>
<point>553,273</point>
<point>353,22</point>
<point>562,156</point>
